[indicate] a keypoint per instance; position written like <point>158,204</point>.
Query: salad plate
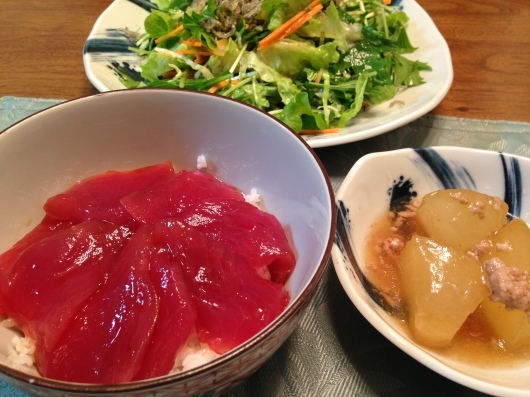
<point>106,49</point>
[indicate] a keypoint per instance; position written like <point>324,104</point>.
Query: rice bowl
<point>107,131</point>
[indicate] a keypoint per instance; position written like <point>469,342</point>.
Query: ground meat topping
<point>460,197</point>
<point>392,246</point>
<point>408,212</point>
<point>480,249</point>
<point>503,246</point>
<point>508,285</point>
<point>478,209</point>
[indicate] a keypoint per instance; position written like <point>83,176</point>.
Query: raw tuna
<point>241,227</point>
<point>175,193</point>
<point>233,301</point>
<point>127,265</point>
<point>107,340</point>
<point>98,197</point>
<point>53,278</point>
<point>176,315</point>
<point>44,229</point>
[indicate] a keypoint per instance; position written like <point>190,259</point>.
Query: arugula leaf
<point>192,23</point>
<point>407,72</point>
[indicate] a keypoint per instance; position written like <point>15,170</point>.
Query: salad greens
<point>314,66</point>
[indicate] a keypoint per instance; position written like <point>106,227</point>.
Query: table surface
<point>41,43</point>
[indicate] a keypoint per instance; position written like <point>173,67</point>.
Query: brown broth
<point>475,342</point>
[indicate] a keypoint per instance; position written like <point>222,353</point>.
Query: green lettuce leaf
<point>332,27</point>
<point>357,103</point>
<point>299,114</point>
<point>157,64</point>
<point>290,57</point>
<point>276,12</point>
<point>218,64</point>
<point>158,23</point>
<point>286,88</point>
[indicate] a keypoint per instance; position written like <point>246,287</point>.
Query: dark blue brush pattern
<point>343,241</point>
<point>444,172</point>
<point>114,41</point>
<point>451,177</point>
<point>513,184</point>
<point>146,4</point>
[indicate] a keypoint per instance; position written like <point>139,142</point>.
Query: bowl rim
<point>295,306</point>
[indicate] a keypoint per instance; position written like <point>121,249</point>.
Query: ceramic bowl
<point>366,194</point>
<point>51,150</point>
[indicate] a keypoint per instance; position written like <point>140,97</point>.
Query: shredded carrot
<point>317,132</point>
<point>314,3</point>
<point>170,74</point>
<point>198,47</point>
<point>277,33</point>
<point>214,88</point>
<point>193,51</point>
<point>170,34</point>
<point>292,25</point>
<point>307,16</point>
<point>201,58</point>
<point>319,76</point>
<point>387,2</point>
<point>191,43</point>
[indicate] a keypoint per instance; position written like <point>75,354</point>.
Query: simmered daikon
<point>460,218</point>
<point>442,286</point>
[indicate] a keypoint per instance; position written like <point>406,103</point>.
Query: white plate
<point>107,43</point>
<point>364,196</point>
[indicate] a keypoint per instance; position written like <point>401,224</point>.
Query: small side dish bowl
<point>48,152</point>
<point>363,198</point>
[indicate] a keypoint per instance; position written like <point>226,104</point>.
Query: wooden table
<point>41,44</point>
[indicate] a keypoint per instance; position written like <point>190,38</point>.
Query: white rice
<point>23,356</point>
<point>20,354</point>
<point>201,162</point>
<point>253,197</point>
<point>192,355</point>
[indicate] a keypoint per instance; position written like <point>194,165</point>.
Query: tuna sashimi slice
<point>106,341</point>
<point>176,315</point>
<point>175,193</point>
<point>98,197</point>
<point>53,278</point>
<point>233,302</point>
<point>46,228</point>
<point>243,228</point>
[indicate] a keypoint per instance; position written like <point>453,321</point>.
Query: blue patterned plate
<point>368,191</point>
<point>106,50</point>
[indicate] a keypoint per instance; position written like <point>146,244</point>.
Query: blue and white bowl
<point>367,191</point>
